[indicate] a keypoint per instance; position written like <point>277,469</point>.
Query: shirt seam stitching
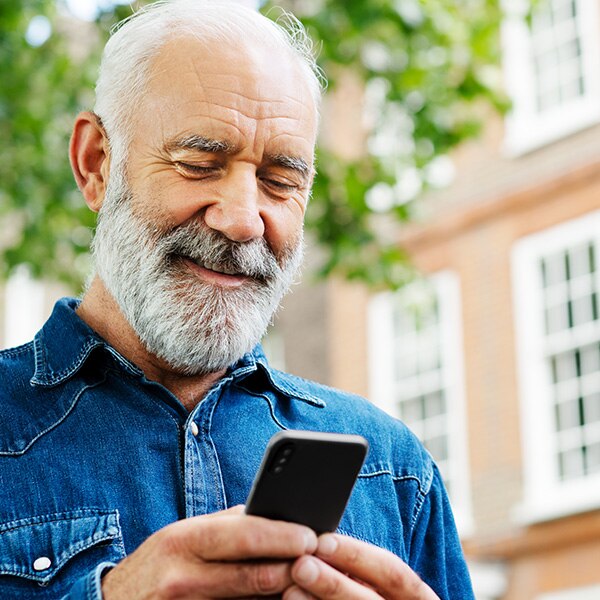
<point>55,423</point>
<point>266,399</point>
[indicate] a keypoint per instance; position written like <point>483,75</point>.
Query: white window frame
<point>525,129</point>
<point>273,345</point>
<point>380,344</point>
<point>591,592</point>
<point>23,308</point>
<point>545,496</point>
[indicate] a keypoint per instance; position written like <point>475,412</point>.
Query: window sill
<point>524,135</point>
<point>556,505</point>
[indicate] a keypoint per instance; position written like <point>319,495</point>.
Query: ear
<point>90,158</point>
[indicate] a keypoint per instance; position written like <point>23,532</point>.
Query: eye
<point>197,169</point>
<point>278,186</point>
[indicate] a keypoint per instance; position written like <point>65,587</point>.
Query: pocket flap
<point>38,547</point>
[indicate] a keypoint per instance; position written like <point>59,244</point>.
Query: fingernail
<point>307,572</point>
<point>327,545</point>
<point>311,540</point>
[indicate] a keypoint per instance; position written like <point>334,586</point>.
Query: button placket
<point>204,491</point>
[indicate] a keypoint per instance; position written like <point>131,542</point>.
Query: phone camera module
<point>281,458</point>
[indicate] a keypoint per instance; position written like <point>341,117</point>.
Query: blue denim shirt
<point>94,458</point>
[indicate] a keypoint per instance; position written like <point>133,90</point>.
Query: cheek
<point>283,227</point>
<point>165,206</point>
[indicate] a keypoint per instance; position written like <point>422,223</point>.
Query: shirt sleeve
<point>89,587</point>
<point>436,554</point>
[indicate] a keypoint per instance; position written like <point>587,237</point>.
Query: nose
<point>236,214</point>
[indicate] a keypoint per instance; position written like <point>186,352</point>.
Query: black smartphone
<point>306,477</point>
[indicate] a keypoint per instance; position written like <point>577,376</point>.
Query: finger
<point>381,569</point>
<point>324,582</point>
<point>296,593</point>
<point>239,537</point>
<point>250,579</point>
<point>238,509</point>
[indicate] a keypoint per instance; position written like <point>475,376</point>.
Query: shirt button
<point>194,429</point>
<point>42,563</point>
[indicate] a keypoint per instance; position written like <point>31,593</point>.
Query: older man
<point>137,417</point>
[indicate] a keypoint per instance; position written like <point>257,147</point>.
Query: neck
<point>101,312</point>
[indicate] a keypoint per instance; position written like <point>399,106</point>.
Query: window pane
<point>438,446</point>
<point>412,410</point>
<point>580,260</point>
<point>593,458</point>
<point>583,311</point>
<point>591,408</point>
<point>590,359</point>
<point>568,415</point>
<point>406,364</point>
<point>554,269</point>
<point>565,366</point>
<point>558,318</point>
<point>571,464</point>
<point>435,405</point>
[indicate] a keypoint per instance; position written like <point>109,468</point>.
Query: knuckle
<point>266,579</point>
<point>168,541</point>
<point>332,587</point>
<point>395,577</point>
<point>250,540</point>
<point>245,544</point>
<point>172,584</point>
<point>206,539</point>
<point>400,577</point>
<point>354,555</point>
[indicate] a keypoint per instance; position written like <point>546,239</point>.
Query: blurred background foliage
<point>426,68</point>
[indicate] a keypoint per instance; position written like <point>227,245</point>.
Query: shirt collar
<point>65,343</point>
<point>255,361</point>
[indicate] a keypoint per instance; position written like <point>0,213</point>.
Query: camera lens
<point>281,458</point>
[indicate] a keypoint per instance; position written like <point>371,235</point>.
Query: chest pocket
<point>41,557</point>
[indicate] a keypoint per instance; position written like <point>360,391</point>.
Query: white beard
<point>196,327</point>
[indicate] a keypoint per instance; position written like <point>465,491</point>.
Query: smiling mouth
<point>217,268</point>
<point>214,273</point>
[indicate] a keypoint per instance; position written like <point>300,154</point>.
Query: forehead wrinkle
<point>286,99</point>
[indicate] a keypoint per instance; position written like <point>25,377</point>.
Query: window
<point>556,294</point>
<point>274,348</point>
<point>584,593</point>
<point>552,70</point>
<point>416,373</point>
<point>23,308</point>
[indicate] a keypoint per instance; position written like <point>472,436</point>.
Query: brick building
<point>493,357</point>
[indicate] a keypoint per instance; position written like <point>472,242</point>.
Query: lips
<point>217,268</point>
<point>220,270</point>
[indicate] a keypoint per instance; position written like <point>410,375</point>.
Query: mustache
<point>212,249</point>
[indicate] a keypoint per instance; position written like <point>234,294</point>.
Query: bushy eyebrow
<point>201,144</point>
<point>296,163</point>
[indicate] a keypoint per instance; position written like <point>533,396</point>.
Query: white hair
<point>136,40</point>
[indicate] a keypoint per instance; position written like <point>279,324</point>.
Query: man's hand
<point>345,568</point>
<point>222,555</point>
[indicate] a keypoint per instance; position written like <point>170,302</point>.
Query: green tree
<point>425,65</point>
